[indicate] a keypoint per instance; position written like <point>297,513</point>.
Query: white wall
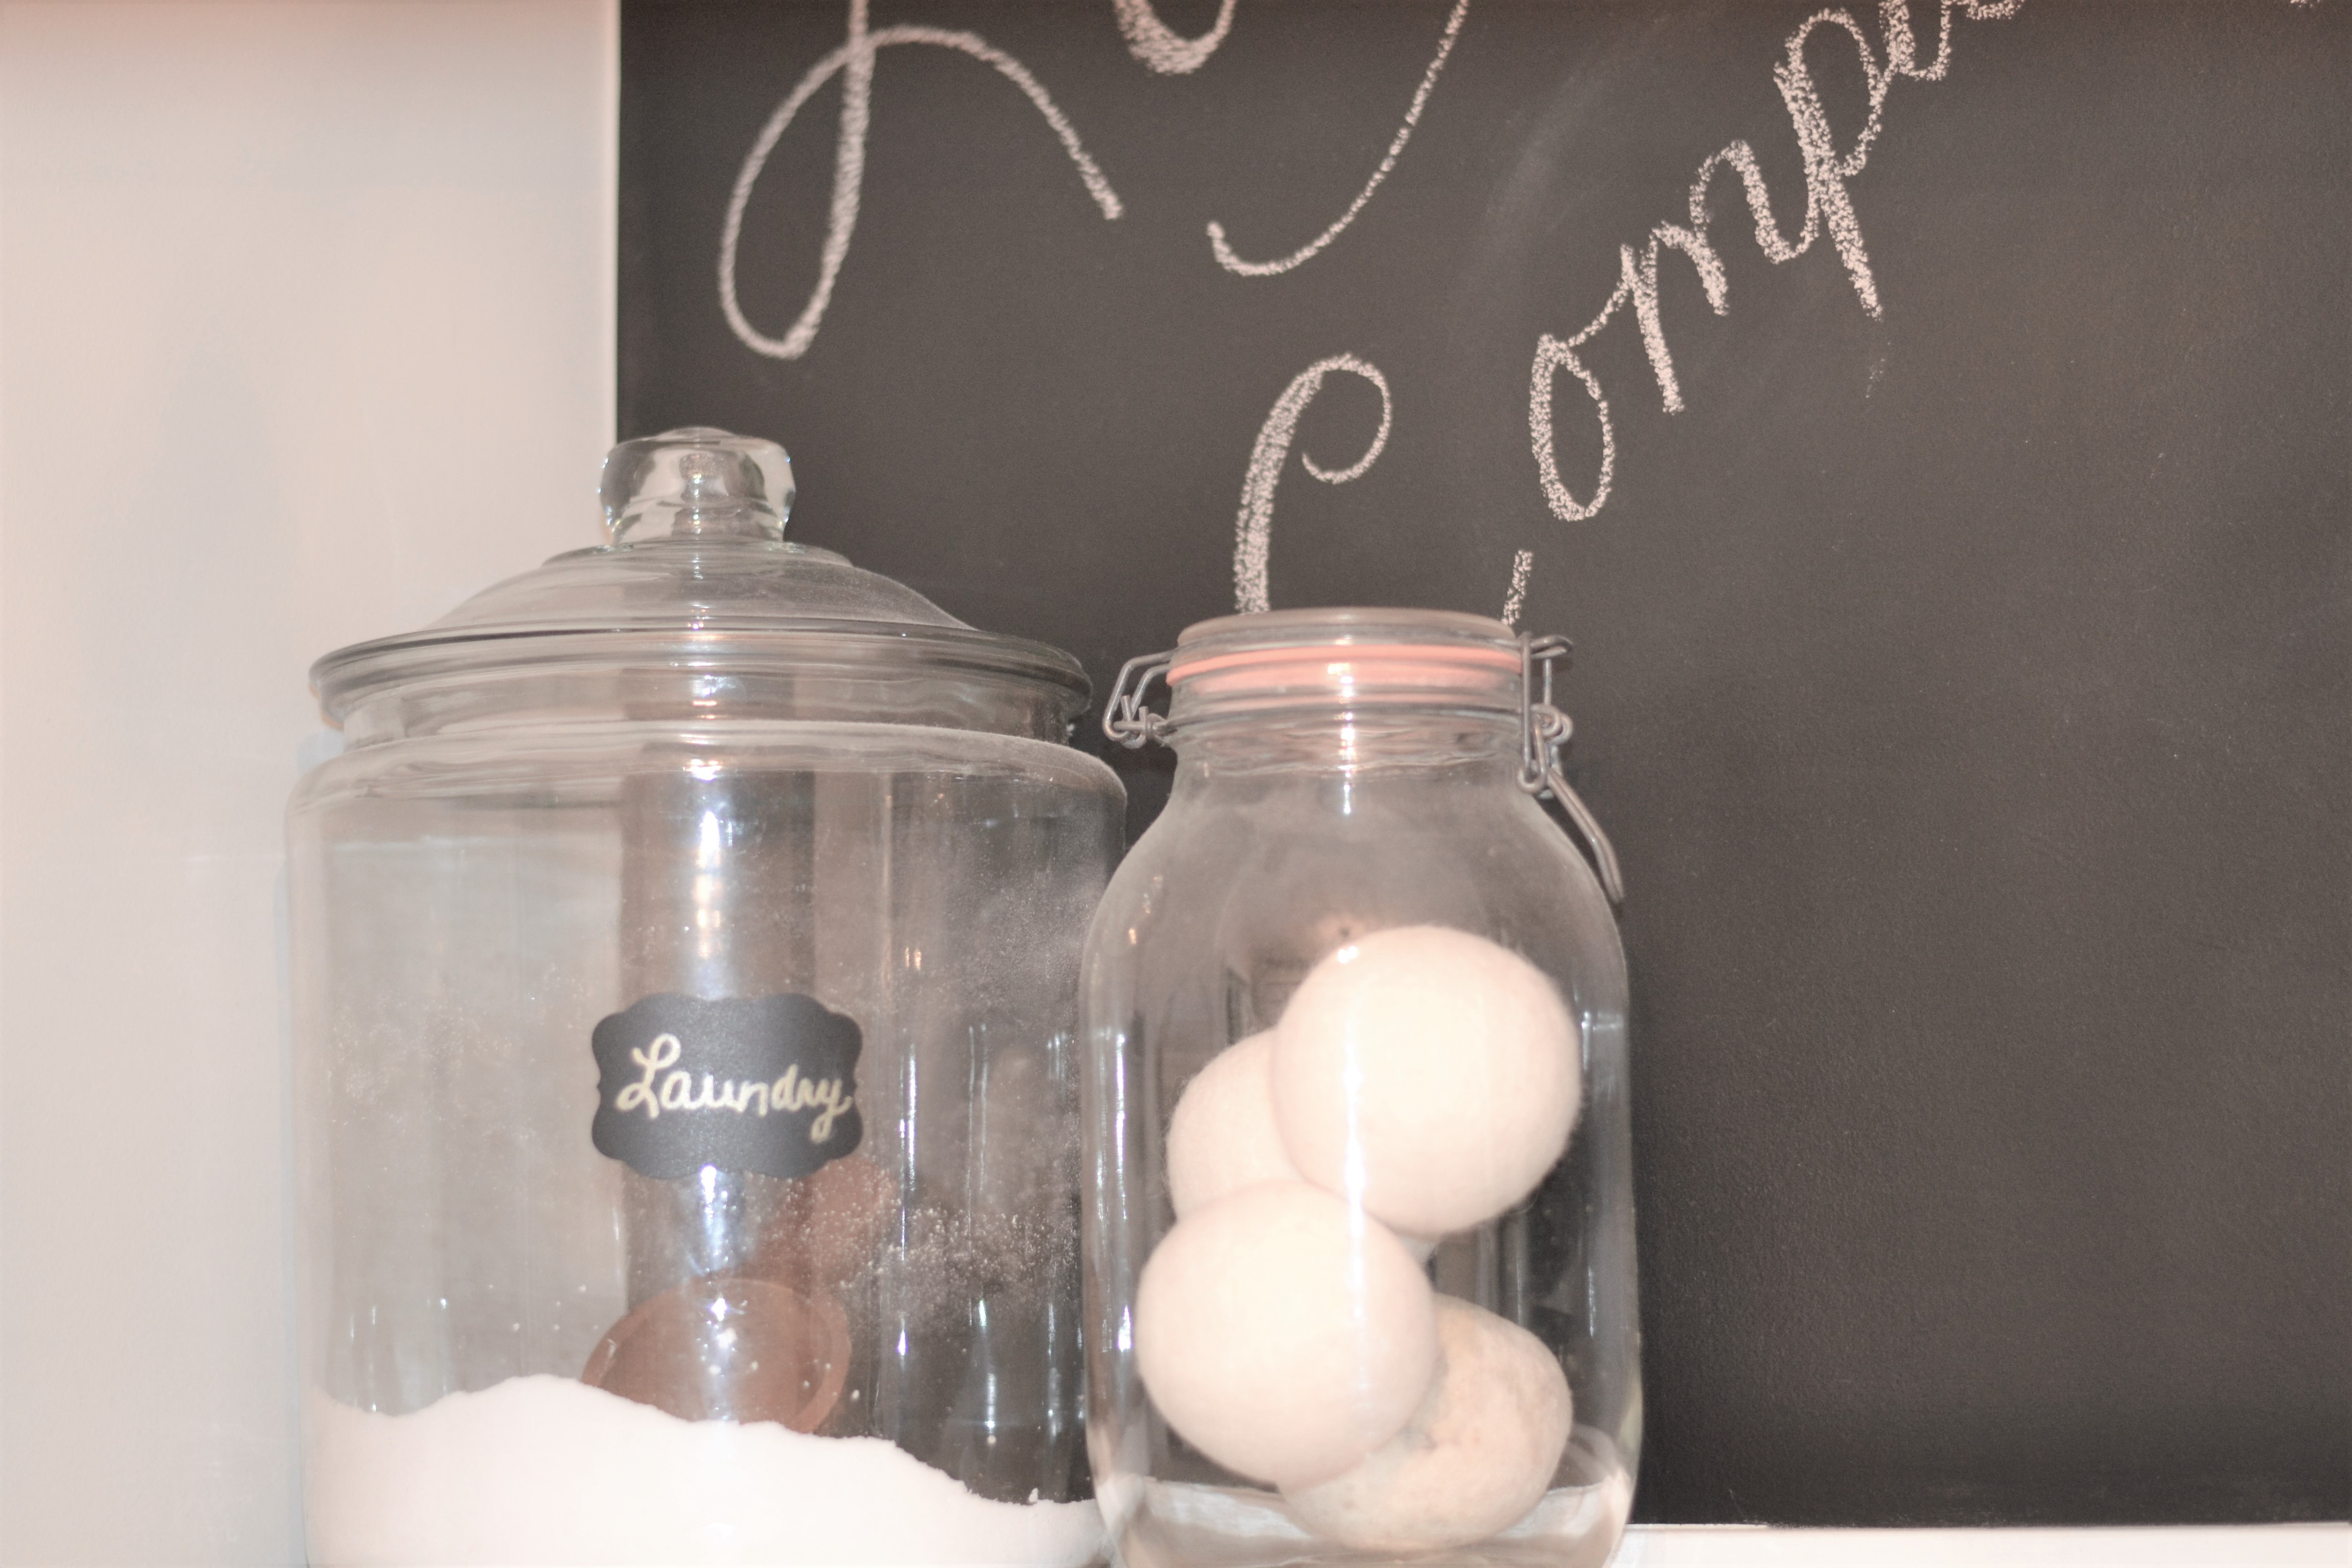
<point>305,333</point>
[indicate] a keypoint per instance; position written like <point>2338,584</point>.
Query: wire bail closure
<point>1544,728</point>
<point>1125,717</point>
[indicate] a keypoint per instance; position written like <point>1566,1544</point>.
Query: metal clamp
<point>1125,717</point>
<point>1543,731</point>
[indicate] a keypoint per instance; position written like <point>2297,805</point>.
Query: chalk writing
<point>853,62</point>
<point>677,1091</point>
<point>1231,262</point>
<point>1149,39</point>
<point>1254,527</point>
<point>1828,207</point>
<point>1517,600</point>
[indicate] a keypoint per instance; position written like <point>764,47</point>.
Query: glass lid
<point>696,574</point>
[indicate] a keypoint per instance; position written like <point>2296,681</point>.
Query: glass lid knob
<point>697,482</point>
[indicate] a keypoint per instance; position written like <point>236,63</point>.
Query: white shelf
<point>1754,1546</point>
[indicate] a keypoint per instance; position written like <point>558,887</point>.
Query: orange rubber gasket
<point>1434,663</point>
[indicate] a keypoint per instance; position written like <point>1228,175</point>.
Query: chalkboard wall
<point>1931,425</point>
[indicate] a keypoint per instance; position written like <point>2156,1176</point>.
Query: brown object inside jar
<point>728,1349</point>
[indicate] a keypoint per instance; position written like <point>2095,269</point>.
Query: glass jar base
<point>1180,1524</point>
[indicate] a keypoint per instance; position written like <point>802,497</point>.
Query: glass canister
<point>685,965</point>
<point>1359,1247</point>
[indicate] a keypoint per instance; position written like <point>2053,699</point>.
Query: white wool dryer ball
<point>1223,1136</point>
<point>1430,1073</point>
<point>1282,1334</point>
<point>1480,1453</point>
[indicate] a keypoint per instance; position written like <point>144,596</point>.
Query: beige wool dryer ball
<point>1283,1336</point>
<point>1430,1073</point>
<point>1479,1454</point>
<point>1223,1136</point>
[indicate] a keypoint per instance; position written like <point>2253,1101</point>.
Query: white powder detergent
<point>546,1471</point>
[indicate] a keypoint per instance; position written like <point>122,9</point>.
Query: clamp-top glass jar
<point>685,981</point>
<point>1359,1257</point>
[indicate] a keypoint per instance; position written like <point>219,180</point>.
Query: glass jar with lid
<point>1359,1247</point>
<point>685,965</point>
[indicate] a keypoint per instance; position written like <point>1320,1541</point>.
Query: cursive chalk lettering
<point>853,62</point>
<point>1223,252</point>
<point>1516,600</point>
<point>664,1089</point>
<point>1254,527</point>
<point>793,1092</point>
<point>1829,207</point>
<point>1160,47</point>
<point>661,1052</point>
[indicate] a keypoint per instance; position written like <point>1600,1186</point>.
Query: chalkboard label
<point>766,1084</point>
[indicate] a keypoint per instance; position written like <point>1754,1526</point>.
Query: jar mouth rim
<point>1349,655</point>
<point>1347,623</point>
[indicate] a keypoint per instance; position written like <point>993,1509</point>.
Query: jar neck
<point>1319,743</point>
